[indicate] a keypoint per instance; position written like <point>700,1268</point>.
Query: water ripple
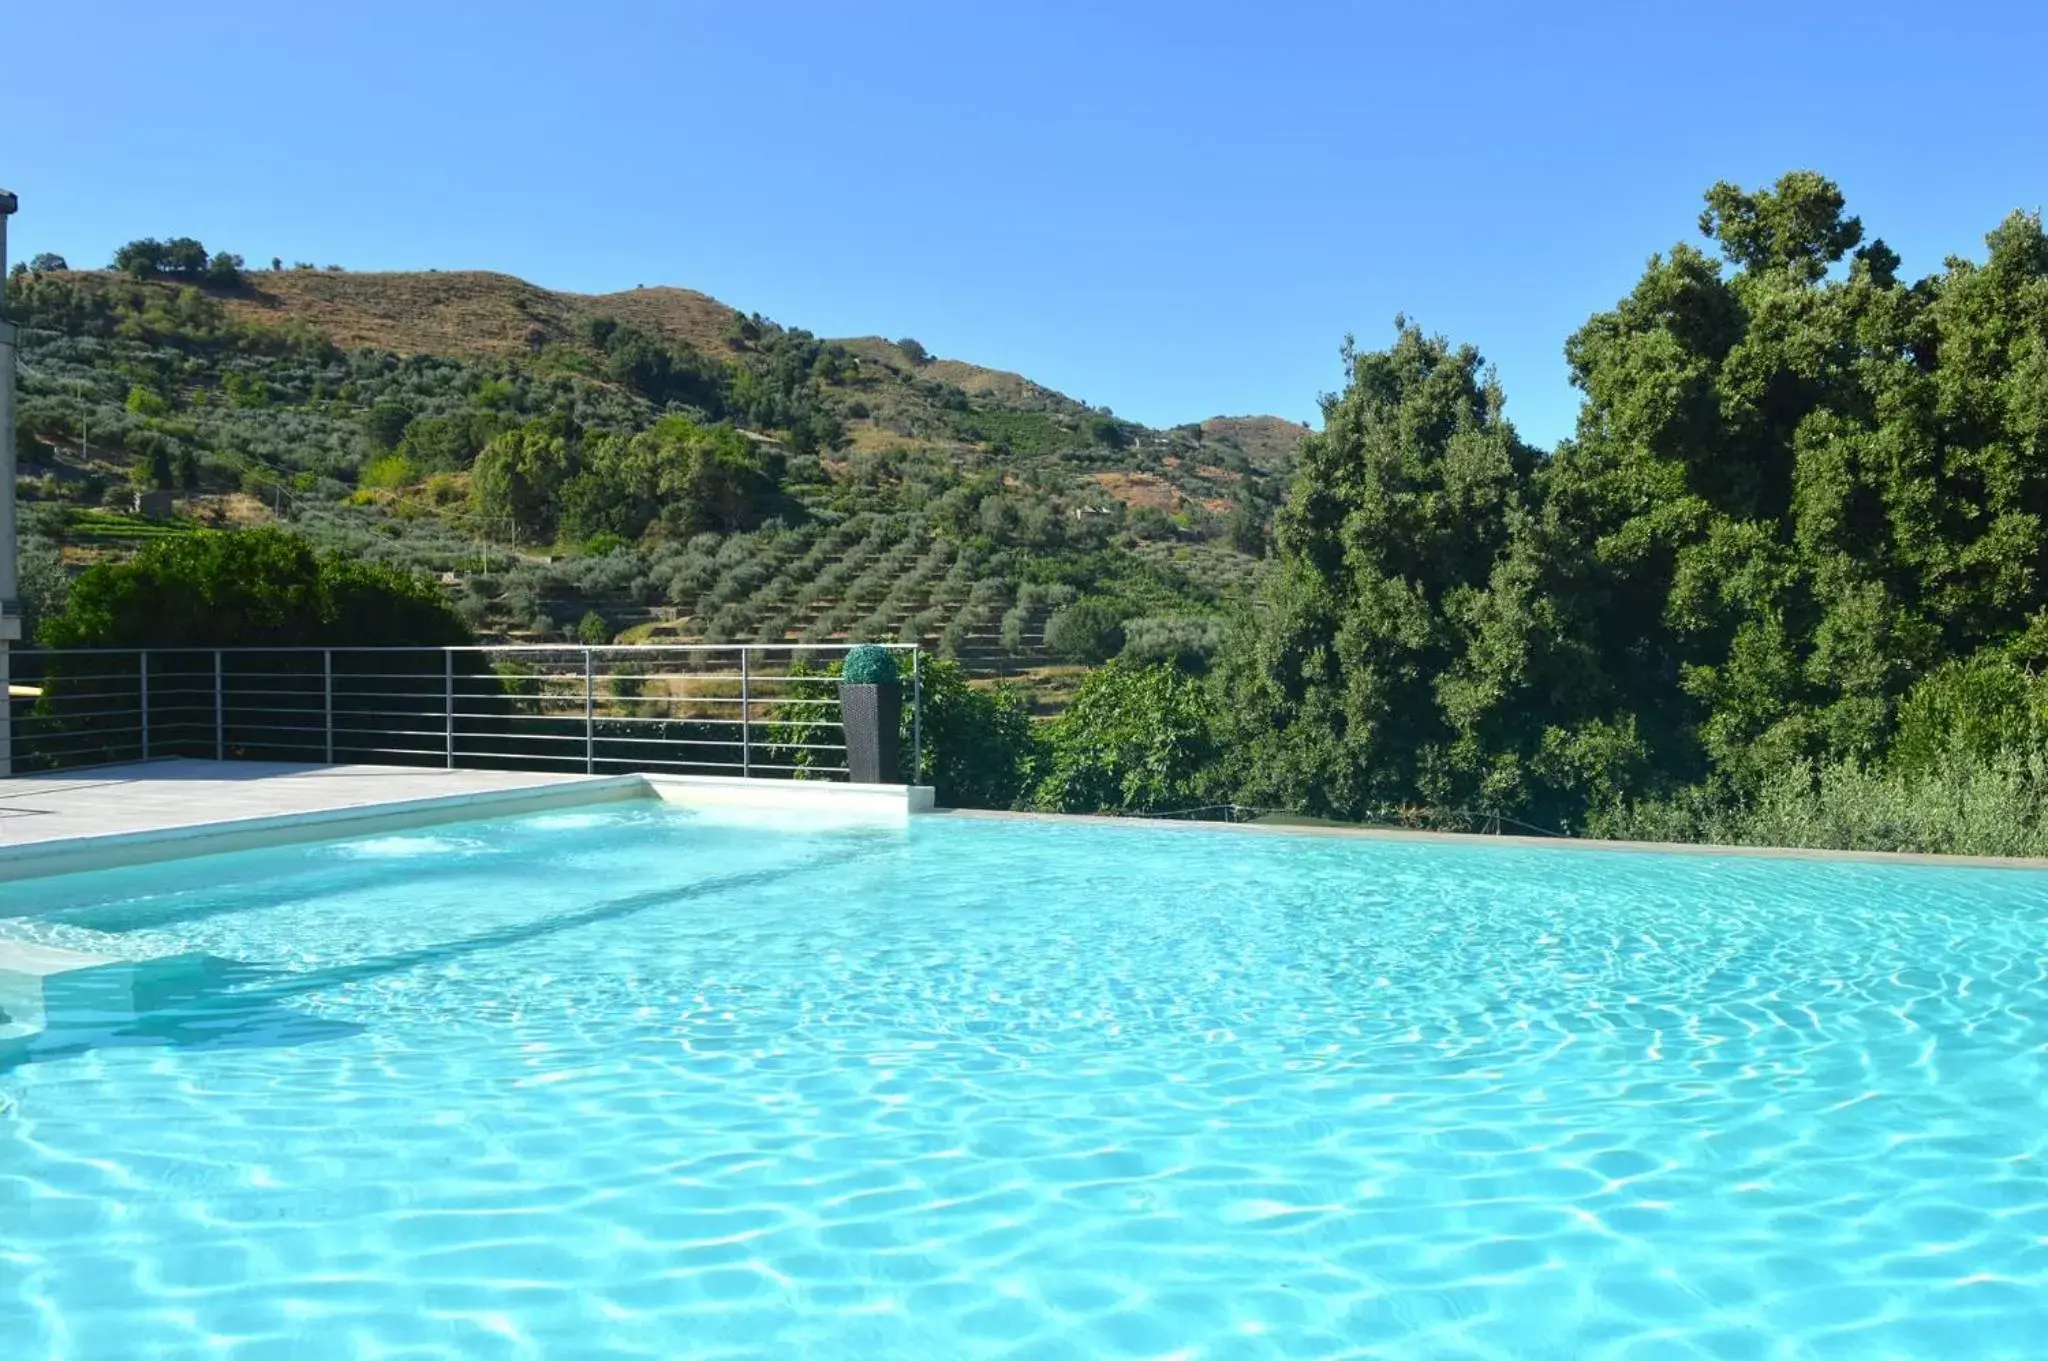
<point>620,1083</point>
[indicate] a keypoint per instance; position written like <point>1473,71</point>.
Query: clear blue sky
<point>1174,210</point>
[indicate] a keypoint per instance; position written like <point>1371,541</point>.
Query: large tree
<point>1402,508</point>
<point>1798,486</point>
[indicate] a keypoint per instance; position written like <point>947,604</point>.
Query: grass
<point>111,524</point>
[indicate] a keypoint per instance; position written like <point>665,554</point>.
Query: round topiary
<point>869,665</point>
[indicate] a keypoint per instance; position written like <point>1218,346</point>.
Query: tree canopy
<point>259,587</point>
<point>541,480</point>
<point>1799,486</point>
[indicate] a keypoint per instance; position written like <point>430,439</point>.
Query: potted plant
<point>871,712</point>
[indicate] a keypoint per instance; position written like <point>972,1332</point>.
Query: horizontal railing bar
<point>91,735</point>
<point>74,714</point>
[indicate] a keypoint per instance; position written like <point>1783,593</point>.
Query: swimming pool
<point>630,1082</point>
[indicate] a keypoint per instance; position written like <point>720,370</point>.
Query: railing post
<point>746,716</point>
<point>327,700</point>
<point>143,657</point>
<point>220,725</point>
<point>916,718</point>
<point>448,704</point>
<point>589,717</point>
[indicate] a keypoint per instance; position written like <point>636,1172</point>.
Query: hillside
<point>461,312</point>
<point>889,492</point>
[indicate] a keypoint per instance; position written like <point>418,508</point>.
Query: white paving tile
<point>166,795</point>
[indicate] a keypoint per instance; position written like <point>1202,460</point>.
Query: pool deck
<point>168,795</point>
<point>53,822</point>
<point>56,823</point>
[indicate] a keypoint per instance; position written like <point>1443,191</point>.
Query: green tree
<point>1368,674</point>
<point>518,479</point>
<point>978,742</point>
<point>44,585</point>
<point>1245,529</point>
<point>152,469</point>
<point>592,630</point>
<point>689,477</point>
<point>1136,739</point>
<point>184,257</point>
<point>385,423</point>
<point>145,401</point>
<point>261,587</point>
<point>1087,631</point>
<point>141,259</point>
<point>1798,484</point>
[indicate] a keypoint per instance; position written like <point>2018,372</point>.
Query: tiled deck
<point>165,795</point>
<point>51,824</point>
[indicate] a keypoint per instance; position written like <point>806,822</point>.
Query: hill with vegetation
<point>644,465</point>
<point>1787,583</point>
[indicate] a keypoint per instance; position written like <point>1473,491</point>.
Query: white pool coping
<point>130,815</point>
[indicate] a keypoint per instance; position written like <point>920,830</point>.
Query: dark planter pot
<point>872,716</point>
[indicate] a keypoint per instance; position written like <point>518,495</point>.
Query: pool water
<point>626,1082</point>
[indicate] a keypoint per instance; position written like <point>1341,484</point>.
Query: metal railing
<point>768,710</point>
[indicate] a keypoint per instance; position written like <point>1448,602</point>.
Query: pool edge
<point>70,855</point>
<point>1514,841</point>
<point>117,850</point>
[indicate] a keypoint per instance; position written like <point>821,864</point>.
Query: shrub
<point>1956,804</point>
<point>1088,631</point>
<point>251,587</point>
<point>1135,739</point>
<point>1178,640</point>
<point>979,747</point>
<point>1979,707</point>
<point>388,473</point>
<point>869,664</point>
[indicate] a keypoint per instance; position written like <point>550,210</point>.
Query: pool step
<point>46,990</point>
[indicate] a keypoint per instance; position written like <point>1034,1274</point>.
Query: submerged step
<point>45,989</point>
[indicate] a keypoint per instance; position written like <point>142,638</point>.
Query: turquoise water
<point>625,1083</point>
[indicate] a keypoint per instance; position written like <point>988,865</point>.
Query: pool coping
<point>1513,841</point>
<point>834,799</point>
<point>116,850</point>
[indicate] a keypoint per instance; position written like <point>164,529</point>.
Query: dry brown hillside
<point>463,311</point>
<point>477,312</point>
<point>1267,441</point>
<point>474,312</point>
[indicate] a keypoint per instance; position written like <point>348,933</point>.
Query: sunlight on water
<point>631,1083</point>
<point>405,847</point>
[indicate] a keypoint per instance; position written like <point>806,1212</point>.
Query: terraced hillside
<point>481,428</point>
